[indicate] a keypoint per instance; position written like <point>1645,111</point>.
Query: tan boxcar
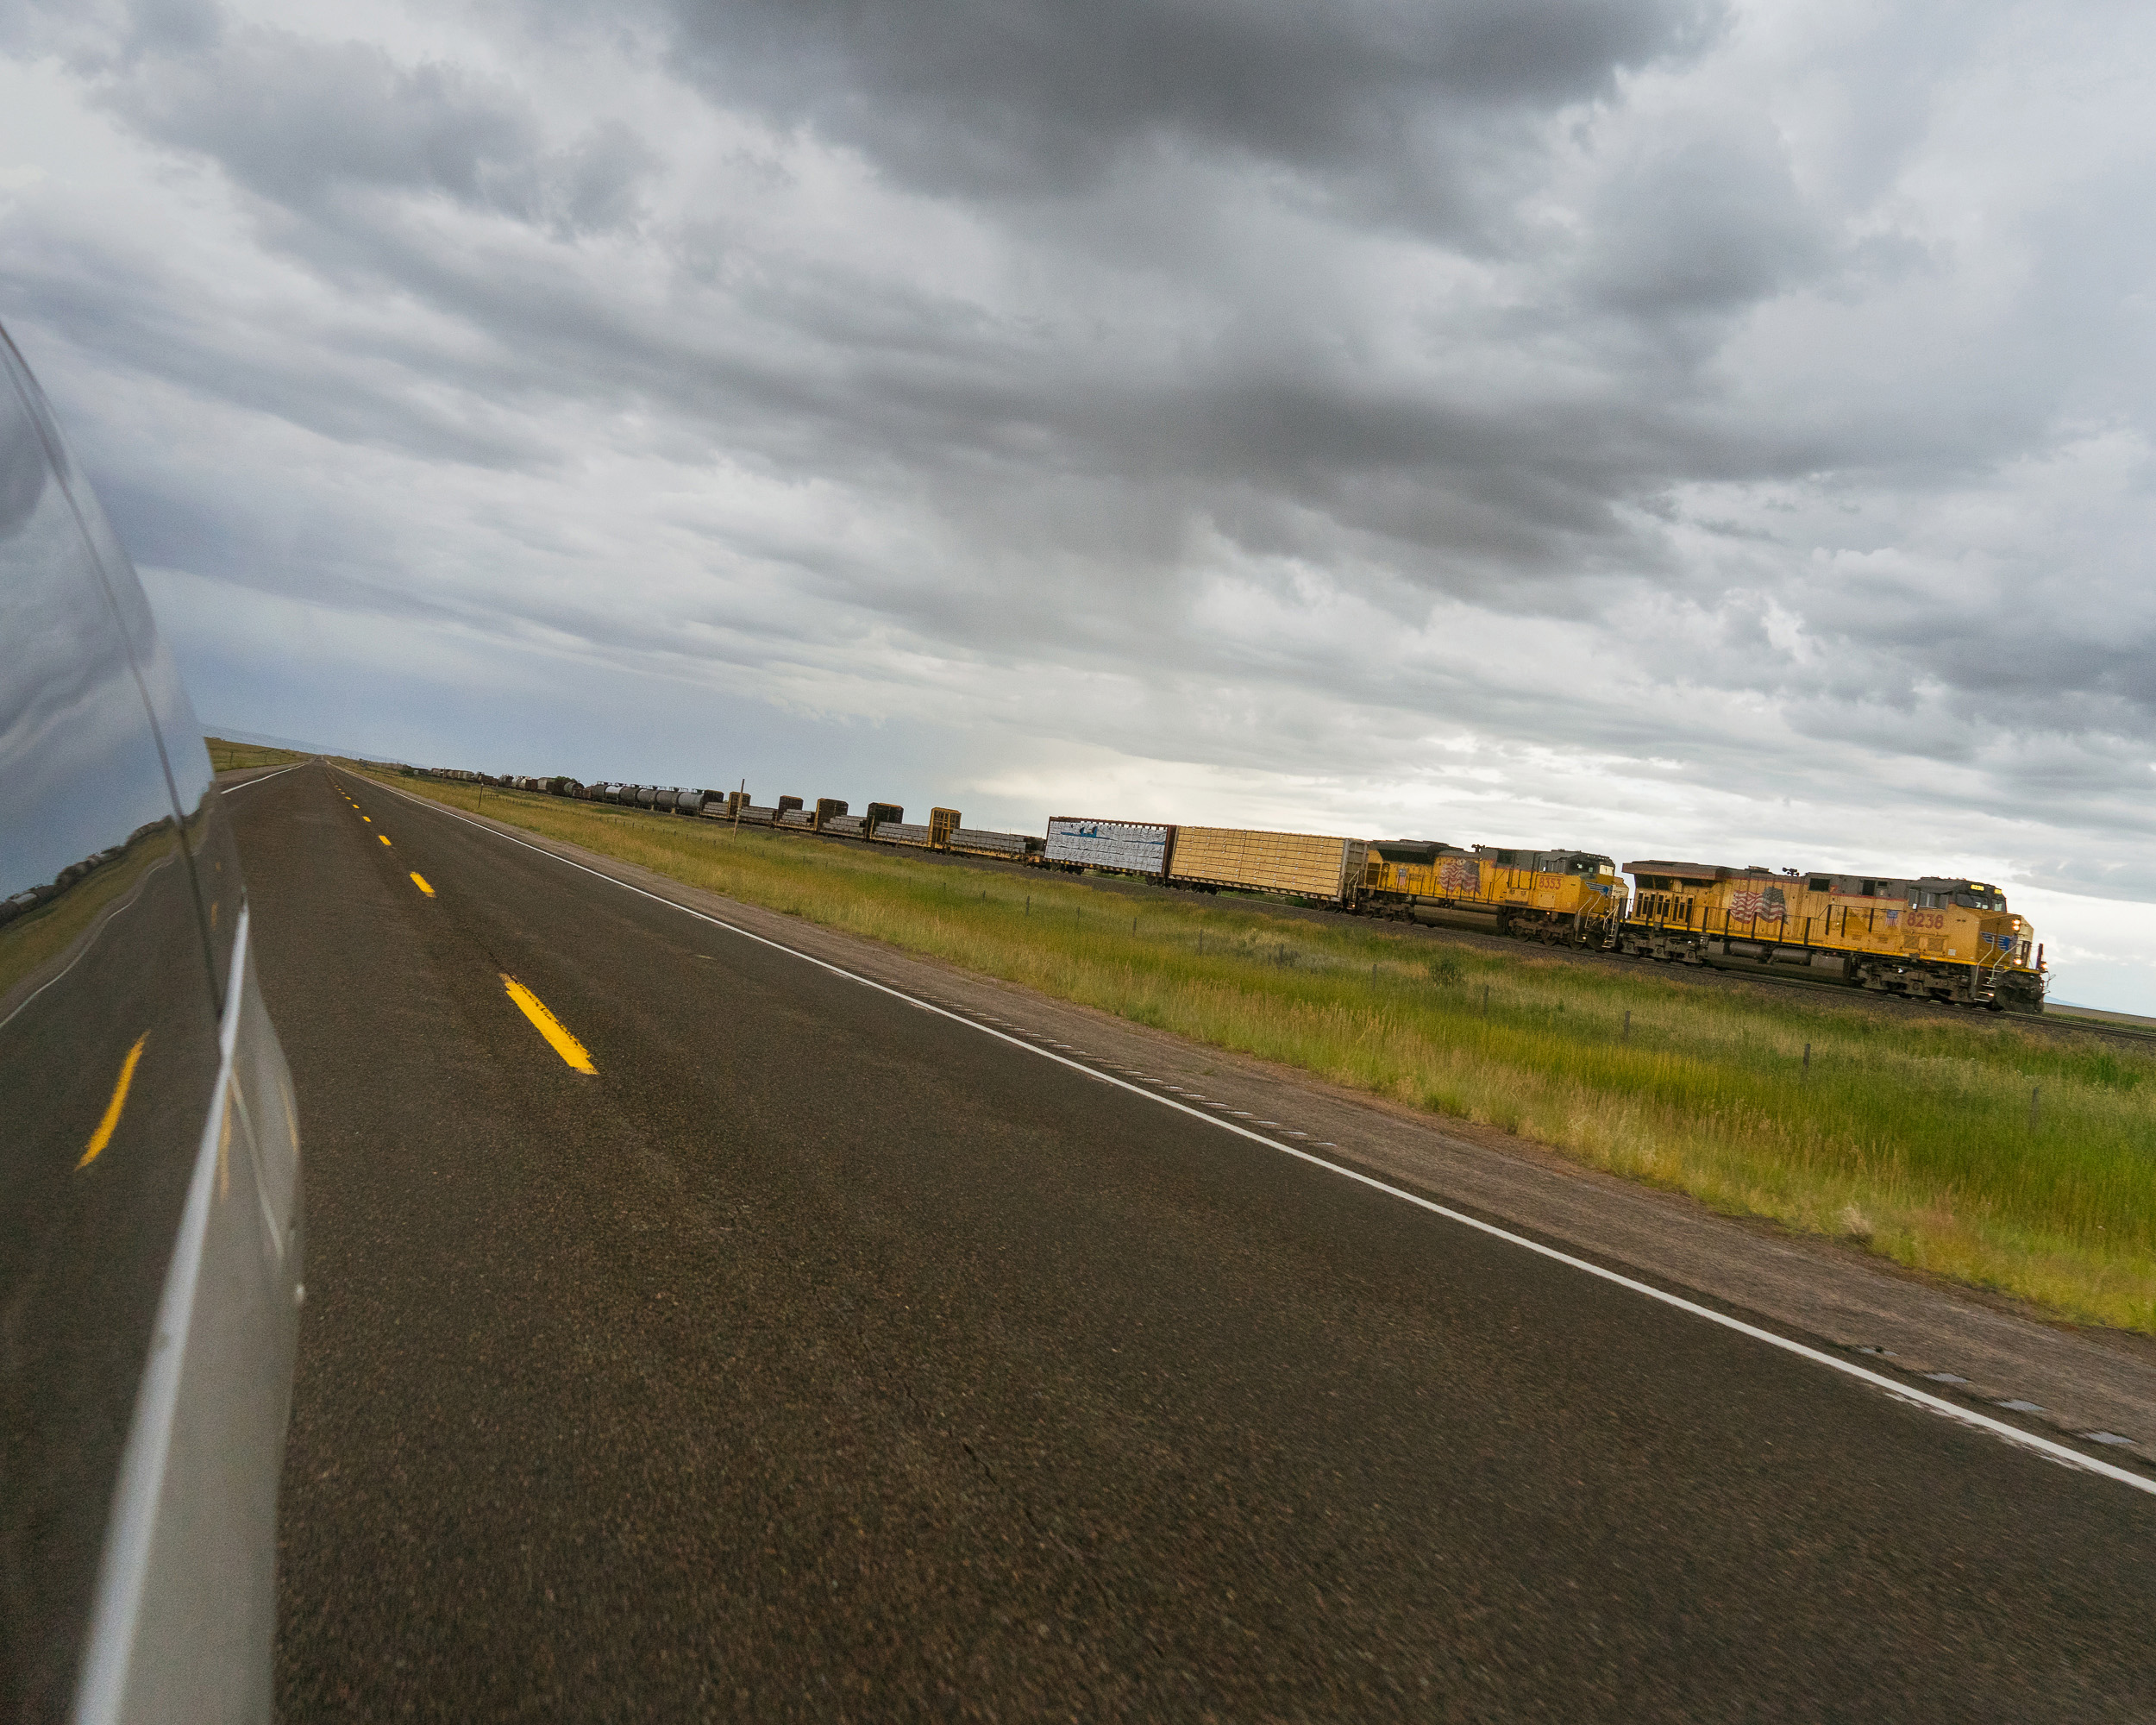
<point>1302,864</point>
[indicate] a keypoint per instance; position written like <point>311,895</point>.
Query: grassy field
<point>1915,1136</point>
<point>233,757</point>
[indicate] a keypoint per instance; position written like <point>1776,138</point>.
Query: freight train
<point>1928,938</point>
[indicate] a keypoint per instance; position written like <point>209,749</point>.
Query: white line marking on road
<point>1907,1394</point>
<point>97,934</point>
<point>248,784</point>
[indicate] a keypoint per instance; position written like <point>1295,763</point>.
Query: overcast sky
<point>1716,430</point>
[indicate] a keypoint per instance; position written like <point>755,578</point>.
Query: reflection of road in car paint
<point>127,1017</point>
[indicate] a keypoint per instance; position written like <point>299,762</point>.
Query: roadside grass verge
<point>234,757</point>
<point>1915,1137</point>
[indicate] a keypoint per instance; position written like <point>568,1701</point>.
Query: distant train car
<point>981,840</point>
<point>946,831</point>
<point>1929,938</point>
<point>1122,847</point>
<point>1302,865</point>
<point>1563,897</point>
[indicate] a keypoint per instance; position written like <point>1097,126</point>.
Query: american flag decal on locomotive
<point>1768,906</point>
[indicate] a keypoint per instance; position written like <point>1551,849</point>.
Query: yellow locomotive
<point>1930,939</point>
<point>1563,897</point>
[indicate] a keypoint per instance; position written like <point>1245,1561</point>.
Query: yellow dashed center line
<point>549,1026</point>
<point>384,837</point>
<point>103,1135</point>
<point>420,882</point>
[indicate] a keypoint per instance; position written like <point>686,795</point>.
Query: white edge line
<point>108,1649</point>
<point>248,784</point>
<point>97,934</point>
<point>2047,1447</point>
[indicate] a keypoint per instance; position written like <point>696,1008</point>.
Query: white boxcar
<point>1134,847</point>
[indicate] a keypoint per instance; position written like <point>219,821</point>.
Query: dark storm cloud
<point>1686,391</point>
<point>1261,431</point>
<point>1034,97</point>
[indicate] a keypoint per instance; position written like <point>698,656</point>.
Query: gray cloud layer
<point>1723,424</point>
<point>1032,98</point>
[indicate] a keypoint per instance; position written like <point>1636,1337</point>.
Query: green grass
<point>1912,1135</point>
<point>233,757</point>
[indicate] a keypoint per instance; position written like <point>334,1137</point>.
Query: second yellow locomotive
<point>1563,897</point>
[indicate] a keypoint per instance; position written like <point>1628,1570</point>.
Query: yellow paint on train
<point>1569,896</point>
<point>1930,938</point>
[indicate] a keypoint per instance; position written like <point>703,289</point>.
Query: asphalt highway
<point>816,1355</point>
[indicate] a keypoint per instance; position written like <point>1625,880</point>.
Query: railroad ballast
<point>1932,938</point>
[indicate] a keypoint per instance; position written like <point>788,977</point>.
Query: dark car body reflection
<point>149,1202</point>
